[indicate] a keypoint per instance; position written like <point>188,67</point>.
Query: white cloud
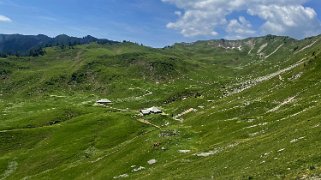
<point>5,19</point>
<point>239,28</point>
<point>196,22</point>
<point>293,20</point>
<point>280,17</point>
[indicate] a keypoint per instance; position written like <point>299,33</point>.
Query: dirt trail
<point>262,47</point>
<point>178,117</point>
<point>306,47</point>
<point>250,83</point>
<point>148,123</point>
<point>276,50</point>
<point>285,102</point>
<point>12,166</point>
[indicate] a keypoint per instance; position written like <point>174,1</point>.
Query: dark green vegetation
<point>30,45</point>
<point>246,109</point>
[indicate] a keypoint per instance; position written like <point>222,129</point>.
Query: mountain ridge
<point>18,44</point>
<point>23,45</point>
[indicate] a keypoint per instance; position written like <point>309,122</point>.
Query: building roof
<point>155,110</point>
<point>151,110</point>
<point>145,111</point>
<point>103,101</point>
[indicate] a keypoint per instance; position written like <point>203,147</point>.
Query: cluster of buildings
<point>152,110</point>
<point>144,112</point>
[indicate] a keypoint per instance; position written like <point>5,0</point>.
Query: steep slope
<point>229,113</point>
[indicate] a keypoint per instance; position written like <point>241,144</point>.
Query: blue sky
<point>161,22</point>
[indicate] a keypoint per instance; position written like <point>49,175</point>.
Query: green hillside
<point>245,109</point>
<point>25,45</point>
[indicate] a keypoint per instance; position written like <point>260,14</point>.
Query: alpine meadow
<point>93,108</point>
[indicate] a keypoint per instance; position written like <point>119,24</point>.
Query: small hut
<point>104,101</point>
<point>152,110</point>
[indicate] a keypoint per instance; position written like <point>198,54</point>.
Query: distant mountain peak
<point>22,44</point>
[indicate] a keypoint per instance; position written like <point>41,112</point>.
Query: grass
<point>51,128</point>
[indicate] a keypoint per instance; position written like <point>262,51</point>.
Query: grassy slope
<point>50,128</point>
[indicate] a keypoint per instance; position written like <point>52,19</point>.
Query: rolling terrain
<point>244,109</point>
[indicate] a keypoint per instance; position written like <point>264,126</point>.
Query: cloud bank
<point>279,17</point>
<point>5,19</point>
